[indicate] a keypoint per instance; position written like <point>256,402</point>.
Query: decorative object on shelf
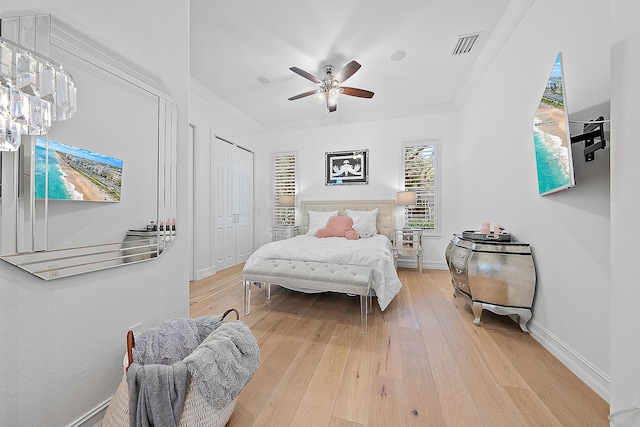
<point>346,167</point>
<point>498,276</point>
<point>479,235</point>
<point>34,91</point>
<point>406,198</point>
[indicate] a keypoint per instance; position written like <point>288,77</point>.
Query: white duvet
<point>375,252</point>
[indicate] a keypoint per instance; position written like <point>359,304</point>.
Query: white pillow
<point>371,216</point>
<point>318,220</point>
<point>363,226</point>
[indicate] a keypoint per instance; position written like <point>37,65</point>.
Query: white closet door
<point>244,224</point>
<point>233,238</point>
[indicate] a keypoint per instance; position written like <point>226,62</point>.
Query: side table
<point>282,232</point>
<point>407,242</point>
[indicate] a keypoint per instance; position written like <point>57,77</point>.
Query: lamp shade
<point>286,201</point>
<point>406,198</point>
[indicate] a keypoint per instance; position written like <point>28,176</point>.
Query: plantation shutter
<point>420,175</point>
<point>284,184</point>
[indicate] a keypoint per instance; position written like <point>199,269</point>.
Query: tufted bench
<point>317,276</point>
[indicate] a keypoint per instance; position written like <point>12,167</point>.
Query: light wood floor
<point>423,362</point>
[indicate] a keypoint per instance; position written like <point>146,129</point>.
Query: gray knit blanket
<point>219,357</point>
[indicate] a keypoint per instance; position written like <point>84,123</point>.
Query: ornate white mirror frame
<point>124,111</point>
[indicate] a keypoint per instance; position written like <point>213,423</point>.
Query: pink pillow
<point>337,226</point>
<point>352,235</point>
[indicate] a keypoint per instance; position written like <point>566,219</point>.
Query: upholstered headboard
<point>386,211</point>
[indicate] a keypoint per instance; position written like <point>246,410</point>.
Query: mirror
<point>124,113</point>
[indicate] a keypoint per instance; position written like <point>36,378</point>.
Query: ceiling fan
<point>329,85</point>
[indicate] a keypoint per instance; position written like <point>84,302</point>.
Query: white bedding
<point>375,252</point>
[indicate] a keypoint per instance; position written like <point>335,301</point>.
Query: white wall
<point>625,210</point>
<point>384,140</point>
<point>62,342</point>
<point>569,230</point>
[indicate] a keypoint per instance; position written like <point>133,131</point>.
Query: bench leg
<point>363,313</point>
<point>267,291</point>
<point>247,297</point>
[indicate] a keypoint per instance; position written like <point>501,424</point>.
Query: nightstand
<point>281,232</point>
<point>407,242</point>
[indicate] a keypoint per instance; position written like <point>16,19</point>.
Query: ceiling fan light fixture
<point>329,87</point>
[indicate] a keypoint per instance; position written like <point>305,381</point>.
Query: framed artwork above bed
<point>346,167</point>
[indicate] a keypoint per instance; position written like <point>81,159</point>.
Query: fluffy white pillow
<point>318,220</point>
<point>371,216</point>
<point>363,226</point>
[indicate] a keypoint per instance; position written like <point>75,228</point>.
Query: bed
<point>374,252</point>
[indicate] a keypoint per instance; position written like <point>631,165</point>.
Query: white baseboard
<point>435,265</point>
<point>429,265</point>
<point>597,380</point>
<point>205,272</point>
<point>93,418</point>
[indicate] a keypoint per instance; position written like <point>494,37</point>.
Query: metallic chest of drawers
<point>497,276</point>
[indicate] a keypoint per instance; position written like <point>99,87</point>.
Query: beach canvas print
<point>550,136</point>
<point>76,174</point>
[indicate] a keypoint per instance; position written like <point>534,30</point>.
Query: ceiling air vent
<point>465,43</point>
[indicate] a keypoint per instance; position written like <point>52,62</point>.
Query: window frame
<point>283,216</point>
<point>434,146</point>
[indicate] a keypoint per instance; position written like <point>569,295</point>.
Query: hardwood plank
<point>387,353</point>
<point>470,364</point>
<point>387,402</point>
<point>287,395</point>
<point>570,400</point>
<point>422,401</point>
<point>319,399</point>
<point>406,309</point>
<point>354,394</point>
<point>338,422</point>
<point>531,410</point>
<point>423,362</point>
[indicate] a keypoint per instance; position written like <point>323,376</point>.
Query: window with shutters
<point>285,171</point>
<point>420,172</point>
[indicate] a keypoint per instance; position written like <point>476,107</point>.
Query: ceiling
<point>235,43</point>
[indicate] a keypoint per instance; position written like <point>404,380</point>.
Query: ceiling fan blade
<point>302,95</point>
<point>347,71</point>
<point>361,93</point>
<point>305,74</point>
